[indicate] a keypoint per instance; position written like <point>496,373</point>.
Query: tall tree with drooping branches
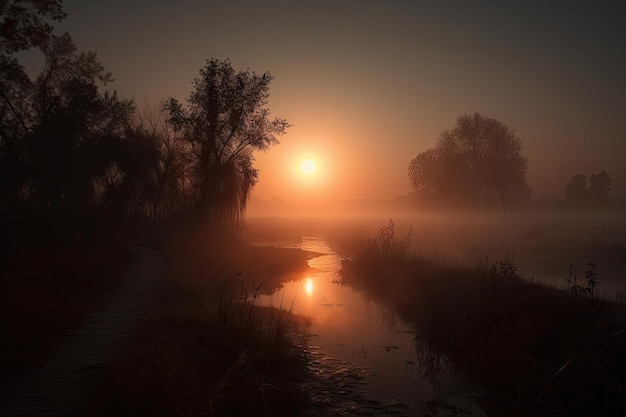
<point>225,120</point>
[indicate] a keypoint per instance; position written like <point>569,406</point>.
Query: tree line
<point>70,148</point>
<point>480,163</point>
<point>72,151</point>
<point>595,191</point>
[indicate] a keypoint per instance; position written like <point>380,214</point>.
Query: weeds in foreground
<point>571,283</point>
<point>245,323</point>
<point>504,269</point>
<point>591,277</point>
<point>390,246</point>
<point>592,281</point>
<point>509,333</point>
<point>263,336</point>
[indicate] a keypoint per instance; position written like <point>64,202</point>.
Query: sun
<point>308,167</point>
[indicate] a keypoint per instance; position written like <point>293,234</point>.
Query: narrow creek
<point>365,359</point>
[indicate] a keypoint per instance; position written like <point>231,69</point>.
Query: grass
<point>213,350</point>
<point>245,323</point>
<point>264,336</point>
<point>536,347</point>
<point>193,357</point>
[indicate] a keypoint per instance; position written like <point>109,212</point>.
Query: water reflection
<point>364,337</point>
<point>352,330</point>
<point>308,286</point>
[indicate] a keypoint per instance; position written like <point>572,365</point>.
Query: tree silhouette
<point>170,170</point>
<point>225,120</point>
<point>576,189</point>
<point>478,161</point>
<point>599,186</point>
<point>25,24</point>
<point>71,119</point>
<point>424,172</point>
<point>69,149</point>
<point>593,192</point>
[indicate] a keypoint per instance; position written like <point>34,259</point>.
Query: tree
<point>25,24</point>
<point>69,133</point>
<point>72,121</point>
<point>478,161</point>
<point>592,192</point>
<point>576,189</point>
<point>424,172</point>
<point>171,166</point>
<point>72,153</point>
<point>225,120</point>
<point>599,186</point>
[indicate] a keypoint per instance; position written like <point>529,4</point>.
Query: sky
<point>367,85</point>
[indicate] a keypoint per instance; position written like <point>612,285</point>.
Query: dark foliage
<point>225,120</point>
<point>72,152</point>
<point>592,192</point>
<point>479,161</point>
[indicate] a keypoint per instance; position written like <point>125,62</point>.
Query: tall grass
<point>208,357</point>
<point>262,338</point>
<point>390,246</point>
<point>245,323</point>
<point>504,330</point>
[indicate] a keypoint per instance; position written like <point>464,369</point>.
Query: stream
<point>366,359</point>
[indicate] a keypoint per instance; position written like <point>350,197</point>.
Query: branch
<point>19,117</point>
<point>237,150</point>
<point>232,133</point>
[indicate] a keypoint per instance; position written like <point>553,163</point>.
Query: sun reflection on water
<point>308,286</point>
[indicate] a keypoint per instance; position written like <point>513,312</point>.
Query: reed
<point>245,323</point>
<point>508,332</point>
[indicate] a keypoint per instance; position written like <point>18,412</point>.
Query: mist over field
<point>543,244</point>
<point>354,208</point>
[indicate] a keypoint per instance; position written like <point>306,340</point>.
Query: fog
<point>312,209</point>
<point>543,244</point>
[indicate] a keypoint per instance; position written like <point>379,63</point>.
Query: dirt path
<point>63,383</point>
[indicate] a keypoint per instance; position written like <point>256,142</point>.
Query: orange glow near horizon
<point>308,286</point>
<point>302,174</point>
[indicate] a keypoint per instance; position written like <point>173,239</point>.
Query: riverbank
<point>204,351</point>
<point>536,348</point>
<point>181,354</point>
<point>47,293</point>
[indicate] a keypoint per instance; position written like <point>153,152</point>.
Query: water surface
<point>359,347</point>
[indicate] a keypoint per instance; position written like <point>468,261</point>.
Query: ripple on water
<point>335,389</point>
<point>363,360</point>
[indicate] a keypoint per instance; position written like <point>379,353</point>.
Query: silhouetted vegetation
<point>538,349</point>
<point>225,121</point>
<point>477,162</point>
<point>208,359</point>
<point>84,172</point>
<point>588,193</point>
<point>75,157</point>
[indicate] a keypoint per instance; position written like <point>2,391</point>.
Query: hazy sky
<point>370,84</point>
